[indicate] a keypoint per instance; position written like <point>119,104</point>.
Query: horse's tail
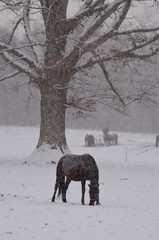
<point>60,179</point>
<point>60,186</point>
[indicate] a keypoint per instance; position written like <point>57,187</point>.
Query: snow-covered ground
<point>129,191</point>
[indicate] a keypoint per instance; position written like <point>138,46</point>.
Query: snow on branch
<point>17,53</point>
<point>157,2</point>
<point>121,16</point>
<point>29,34</point>
<point>88,10</point>
<point>85,42</point>
<point>96,21</point>
<point>18,65</point>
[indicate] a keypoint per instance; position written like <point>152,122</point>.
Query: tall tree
<point>72,44</point>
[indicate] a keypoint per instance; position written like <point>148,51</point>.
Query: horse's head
<point>105,130</point>
<point>94,194</point>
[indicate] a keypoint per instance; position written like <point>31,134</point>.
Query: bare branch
<point>12,5</point>
<point>19,66</point>
<point>9,76</point>
<point>86,11</point>
<point>106,75</point>
<point>45,10</point>
<point>129,53</point>
<point>27,59</point>
<point>143,56</point>
<point>14,29</point>
<point>31,39</point>
<point>121,15</point>
<point>102,39</point>
<point>95,23</point>
<point>156,2</point>
<point>143,93</point>
<point>105,72</point>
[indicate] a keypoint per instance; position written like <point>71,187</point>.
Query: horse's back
<point>111,138</point>
<point>73,159</point>
<point>114,135</point>
<point>78,166</point>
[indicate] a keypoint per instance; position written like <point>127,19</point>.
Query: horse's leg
<point>65,187</point>
<point>55,190</point>
<point>83,191</point>
<point>97,202</point>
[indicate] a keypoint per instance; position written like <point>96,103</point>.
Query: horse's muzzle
<point>91,202</point>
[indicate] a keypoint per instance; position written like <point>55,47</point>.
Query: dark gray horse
<point>110,139</point>
<point>77,168</point>
<point>89,141</point>
<point>157,140</point>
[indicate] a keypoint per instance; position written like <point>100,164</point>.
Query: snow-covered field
<point>129,191</point>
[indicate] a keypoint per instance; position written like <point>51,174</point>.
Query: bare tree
<point>72,45</point>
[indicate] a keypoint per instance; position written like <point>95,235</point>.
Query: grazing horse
<point>89,141</point>
<point>157,140</point>
<point>110,139</point>
<point>77,168</point>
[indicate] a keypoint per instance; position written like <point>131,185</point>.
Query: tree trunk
<point>55,79</point>
<point>53,107</point>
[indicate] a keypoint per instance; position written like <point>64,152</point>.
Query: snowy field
<point>129,191</point>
